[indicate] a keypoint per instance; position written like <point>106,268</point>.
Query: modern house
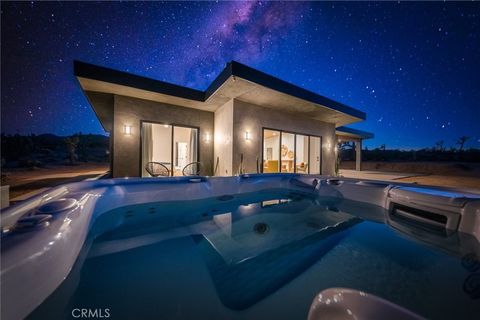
<point>245,122</point>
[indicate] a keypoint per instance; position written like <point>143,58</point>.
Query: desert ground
<point>27,182</point>
<point>443,174</point>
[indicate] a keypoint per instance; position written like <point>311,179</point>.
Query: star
<point>365,62</point>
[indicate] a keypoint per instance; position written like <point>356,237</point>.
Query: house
<point>246,121</point>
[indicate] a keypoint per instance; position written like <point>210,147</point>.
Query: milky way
<point>412,67</point>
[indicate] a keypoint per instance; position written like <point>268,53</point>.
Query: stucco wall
<point>252,118</point>
<point>131,111</point>
<point>223,137</point>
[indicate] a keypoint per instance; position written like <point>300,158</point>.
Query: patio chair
<point>156,169</point>
<point>191,169</point>
<point>302,167</point>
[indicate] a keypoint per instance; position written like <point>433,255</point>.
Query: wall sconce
<point>127,130</point>
<point>328,146</point>
<point>248,136</point>
<point>207,137</point>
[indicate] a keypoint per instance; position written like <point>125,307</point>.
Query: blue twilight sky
<point>414,68</point>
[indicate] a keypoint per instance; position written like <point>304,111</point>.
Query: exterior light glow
<point>127,130</point>
<point>208,137</point>
<point>248,136</point>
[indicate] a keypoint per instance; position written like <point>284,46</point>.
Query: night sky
<point>414,68</point>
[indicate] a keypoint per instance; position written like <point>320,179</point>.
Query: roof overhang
<point>350,133</point>
<point>236,81</point>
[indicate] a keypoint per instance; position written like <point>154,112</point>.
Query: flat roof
<point>236,81</point>
<point>353,133</point>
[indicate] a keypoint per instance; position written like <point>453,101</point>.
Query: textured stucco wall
<point>227,127</point>
<point>131,111</point>
<point>252,118</point>
<point>223,139</point>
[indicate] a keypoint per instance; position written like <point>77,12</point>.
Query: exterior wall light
<point>207,137</point>
<point>127,130</point>
<point>248,136</point>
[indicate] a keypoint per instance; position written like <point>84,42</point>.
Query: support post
<point>358,155</point>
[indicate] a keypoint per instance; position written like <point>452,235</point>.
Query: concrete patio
<point>377,175</point>
<point>470,183</point>
<point>24,184</point>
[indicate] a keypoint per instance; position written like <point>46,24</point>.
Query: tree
<point>84,144</point>
<point>2,174</point>
<point>461,142</point>
<point>346,150</point>
<point>346,145</point>
<point>439,146</point>
<point>71,144</point>
<point>30,144</point>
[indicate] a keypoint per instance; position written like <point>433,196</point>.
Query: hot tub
<point>252,246</point>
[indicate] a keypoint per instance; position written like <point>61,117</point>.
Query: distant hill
<point>347,153</point>
<point>40,150</point>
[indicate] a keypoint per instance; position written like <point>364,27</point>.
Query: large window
<point>271,150</point>
<point>315,155</point>
<point>301,154</point>
<point>291,152</point>
<point>184,148</point>
<point>173,146</point>
<point>288,152</point>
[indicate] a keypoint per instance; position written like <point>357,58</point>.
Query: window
<point>271,150</point>
<point>288,152</point>
<point>315,155</point>
<point>301,154</point>
<point>184,148</point>
<point>291,152</point>
<point>172,146</point>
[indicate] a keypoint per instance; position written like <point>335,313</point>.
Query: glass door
<point>174,147</point>
<point>315,155</point>
<point>291,152</point>
<point>301,154</point>
<point>288,152</point>
<point>271,151</point>
<point>184,148</point>
<point>156,141</point>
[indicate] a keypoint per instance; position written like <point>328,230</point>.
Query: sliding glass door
<point>271,151</point>
<point>172,146</point>
<point>156,140</point>
<point>288,152</point>
<point>291,152</point>
<point>315,155</point>
<point>301,153</point>
<point>185,149</point>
